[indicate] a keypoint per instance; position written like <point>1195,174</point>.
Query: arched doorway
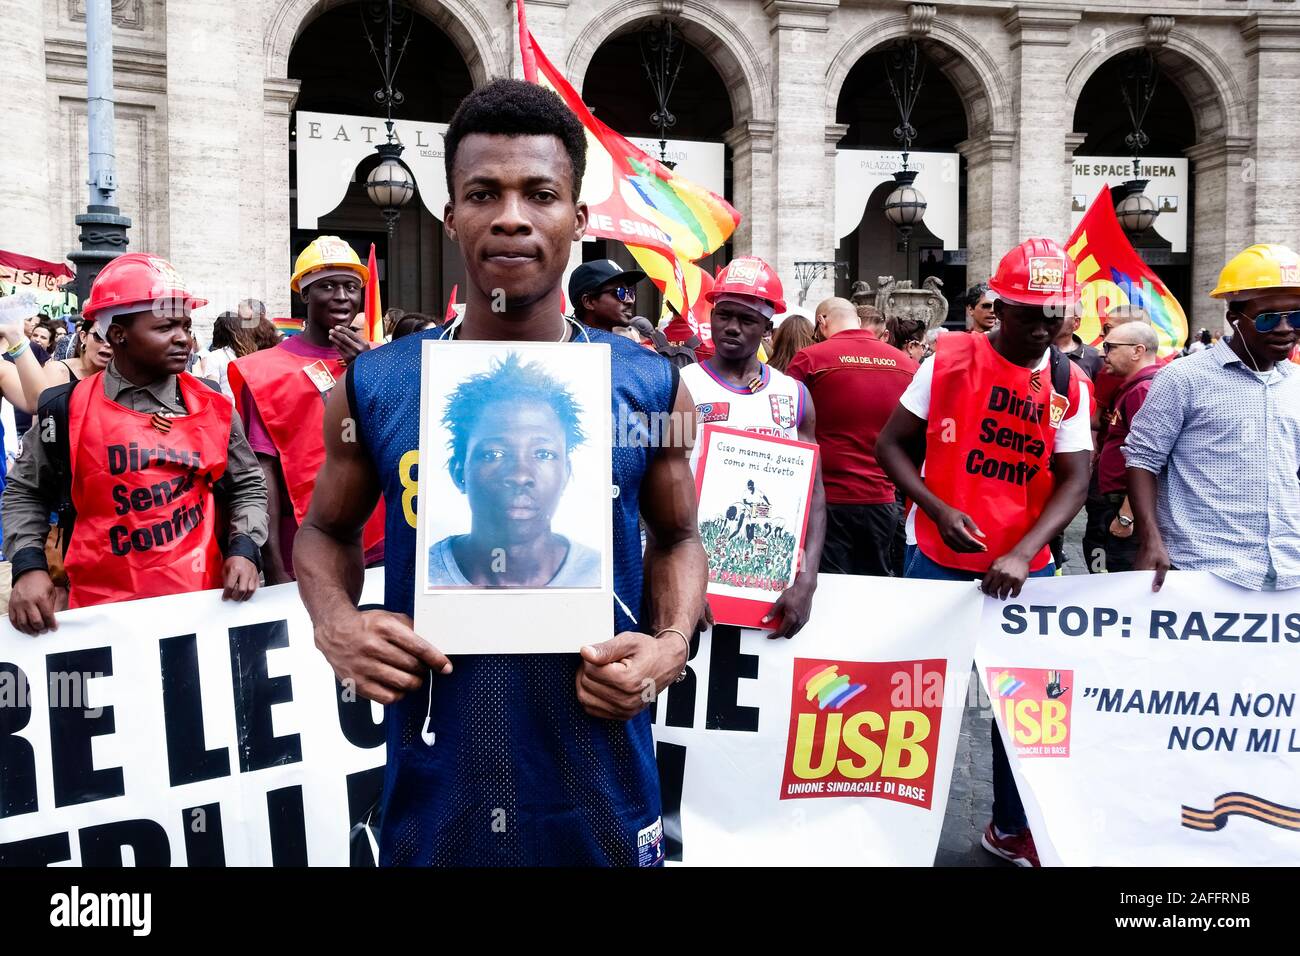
<point>868,154</point>
<point>1103,123</point>
<point>618,92</point>
<point>338,76</point>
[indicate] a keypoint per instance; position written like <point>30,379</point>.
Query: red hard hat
<point>134,282</point>
<point>748,275</point>
<point>1036,272</point>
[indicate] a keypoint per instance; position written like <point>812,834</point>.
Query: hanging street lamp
<point>390,184</point>
<point>662,55</point>
<point>1133,207</point>
<point>905,206</point>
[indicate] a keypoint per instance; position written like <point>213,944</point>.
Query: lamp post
<point>1133,207</point>
<point>390,184</point>
<point>905,206</point>
<point>103,227</point>
<point>662,55</point>
<point>807,271</point>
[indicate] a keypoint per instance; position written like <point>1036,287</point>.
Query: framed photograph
<point>1079,202</point>
<point>754,491</point>
<point>1168,204</point>
<point>514,525</point>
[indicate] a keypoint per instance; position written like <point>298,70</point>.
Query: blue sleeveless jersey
<point>518,774</point>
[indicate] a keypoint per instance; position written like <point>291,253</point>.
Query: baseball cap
<point>590,276</point>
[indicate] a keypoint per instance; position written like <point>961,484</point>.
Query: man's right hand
<point>1152,556</point>
<point>956,527</point>
<point>379,654</point>
<point>31,604</point>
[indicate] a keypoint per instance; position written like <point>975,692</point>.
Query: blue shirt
<point>1224,442</point>
<point>518,773</point>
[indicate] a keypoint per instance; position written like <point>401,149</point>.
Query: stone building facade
<point>204,98</point>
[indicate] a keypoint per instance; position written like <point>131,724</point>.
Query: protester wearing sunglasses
<point>1214,452</point>
<point>603,294</point>
<point>92,355</point>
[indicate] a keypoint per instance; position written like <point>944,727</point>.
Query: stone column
<point>990,201</point>
<point>751,187</point>
<point>801,186</point>
<point>1219,218</point>
<point>1040,60</point>
<point>1273,65</point>
<point>25,196</point>
<point>834,133</point>
<point>278,96</point>
<point>216,156</point>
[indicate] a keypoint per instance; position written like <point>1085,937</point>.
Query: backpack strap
<point>1060,363</point>
<point>52,420</point>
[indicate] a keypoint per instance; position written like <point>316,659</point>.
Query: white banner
<point>329,146</point>
<point>1150,728</point>
<point>833,748</point>
<point>1144,729</point>
<point>860,172</point>
<point>1167,187</point>
<point>185,730</point>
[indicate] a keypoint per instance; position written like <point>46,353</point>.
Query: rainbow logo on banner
<point>1006,685</point>
<point>830,687</point>
<point>288,326</point>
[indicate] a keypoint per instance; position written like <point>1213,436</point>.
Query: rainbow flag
<point>374,310</point>
<point>1111,273</point>
<point>666,221</point>
<point>288,326</point>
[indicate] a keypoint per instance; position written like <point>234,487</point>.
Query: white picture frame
<point>454,608</point>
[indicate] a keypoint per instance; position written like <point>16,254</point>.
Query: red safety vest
<point>292,407</point>
<point>146,516</point>
<point>989,442</point>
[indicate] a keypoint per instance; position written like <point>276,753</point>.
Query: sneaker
<point>1017,848</point>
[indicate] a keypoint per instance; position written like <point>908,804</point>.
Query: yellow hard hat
<point>327,252</point>
<point>1262,268</point>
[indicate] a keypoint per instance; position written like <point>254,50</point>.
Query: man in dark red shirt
<point>855,381</point>
<point>1131,355</point>
<point>1096,537</point>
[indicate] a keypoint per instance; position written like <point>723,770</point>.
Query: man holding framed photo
<point>732,388</point>
<point>524,759</point>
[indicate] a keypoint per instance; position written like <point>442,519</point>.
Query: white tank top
<point>775,407</point>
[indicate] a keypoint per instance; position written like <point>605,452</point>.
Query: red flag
<point>450,314</point>
<point>1111,273</point>
<point>374,310</point>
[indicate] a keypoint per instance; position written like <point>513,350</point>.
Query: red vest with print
<point>293,409</point>
<point>146,516</point>
<point>989,442</point>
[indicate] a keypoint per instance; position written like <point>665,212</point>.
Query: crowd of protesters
<point>951,456</point>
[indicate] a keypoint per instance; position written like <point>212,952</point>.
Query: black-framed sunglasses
<point>1107,346</point>
<point>623,293</point>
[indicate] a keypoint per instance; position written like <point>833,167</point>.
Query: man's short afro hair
<point>516,108</point>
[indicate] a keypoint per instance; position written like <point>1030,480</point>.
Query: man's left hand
<point>1006,577</point>
<point>348,343</point>
<point>240,579</point>
<point>792,608</point>
<point>619,678</point>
